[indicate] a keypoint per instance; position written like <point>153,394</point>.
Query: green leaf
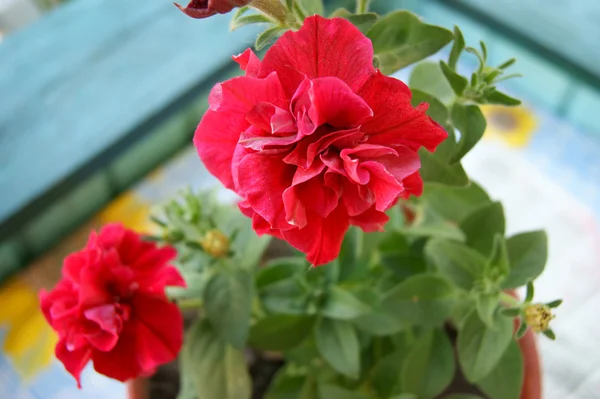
<point>385,377</point>
<point>401,38</point>
<point>353,258</point>
<point>549,334</point>
<point>511,312</point>
<point>227,301</point>
<point>248,20</point>
<point>457,48</point>
<point>480,347</point>
<point>522,330</point>
<point>280,269</point>
<point>268,36</point>
<point>454,203</point>
<point>507,64</point>
<point>506,379</point>
<point>331,391</point>
<point>428,78</point>
<point>530,292</point>
<point>482,225</point>
<point>337,342</point>
<point>343,305</point>
<point>457,82</point>
<point>311,7</point>
<point>405,396</point>
<point>527,253</point>
<point>280,332</point>
<point>218,369</point>
<point>378,321</point>
<point>486,307</point>
<point>457,262</point>
<point>364,22</point>
<point>471,123</point>
<point>554,304</point>
<point>429,367</point>
<point>287,385</point>
<point>340,13</point>
<point>436,170</point>
<point>437,110</point>
<point>462,396</point>
<point>424,299</point>
<point>496,97</point>
<point>499,266</point>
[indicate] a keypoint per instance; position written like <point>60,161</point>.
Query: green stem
<point>272,8</point>
<point>362,6</point>
<point>192,303</point>
<point>510,300</point>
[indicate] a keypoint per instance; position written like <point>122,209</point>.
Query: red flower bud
<point>208,8</point>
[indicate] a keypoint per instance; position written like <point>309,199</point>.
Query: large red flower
<point>110,306</point>
<point>314,138</point>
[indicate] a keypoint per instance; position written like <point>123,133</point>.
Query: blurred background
<point>99,100</point>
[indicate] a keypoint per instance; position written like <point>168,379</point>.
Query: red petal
<point>321,239</point>
<point>383,184</point>
<point>396,121</point>
<point>74,361</point>
<point>413,184</point>
<point>121,363</point>
<point>322,47</point>
<point>330,100</point>
<point>248,62</point>
<point>370,221</point>
<point>259,224</point>
<point>110,326</point>
<point>262,181</point>
<point>215,139</point>
<point>159,331</point>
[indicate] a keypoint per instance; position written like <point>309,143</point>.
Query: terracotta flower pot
<point>138,388</point>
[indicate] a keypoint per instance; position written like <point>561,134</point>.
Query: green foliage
<point>480,347</point>
<point>469,120</point>
<point>401,38</point>
<point>337,342</point>
<point>429,367</point>
<point>268,36</point>
<point>217,369</point>
<point>482,225</point>
<point>424,300</point>
<point>506,379</point>
<point>227,301</point>
<point>527,253</point>
<point>427,77</point>
<point>457,262</point>
<point>280,332</point>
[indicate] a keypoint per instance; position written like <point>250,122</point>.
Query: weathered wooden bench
<point>92,96</point>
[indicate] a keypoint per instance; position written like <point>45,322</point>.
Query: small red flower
<point>110,306</point>
<point>314,138</point>
<point>208,8</point>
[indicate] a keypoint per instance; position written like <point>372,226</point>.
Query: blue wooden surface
<point>75,84</point>
<point>570,27</point>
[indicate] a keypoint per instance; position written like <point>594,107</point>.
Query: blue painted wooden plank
<point>568,27</point>
<point>76,82</point>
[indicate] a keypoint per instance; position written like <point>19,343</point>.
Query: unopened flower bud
<point>215,243</point>
<point>208,8</point>
<point>538,316</point>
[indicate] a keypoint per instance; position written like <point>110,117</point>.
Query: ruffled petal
<point>248,62</point>
<point>395,120</point>
<point>159,333</point>
<point>262,181</point>
<point>321,239</point>
<point>322,47</point>
<point>74,361</point>
<point>370,221</point>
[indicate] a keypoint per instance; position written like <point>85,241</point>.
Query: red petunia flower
<point>208,8</point>
<point>110,306</point>
<point>314,138</point>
